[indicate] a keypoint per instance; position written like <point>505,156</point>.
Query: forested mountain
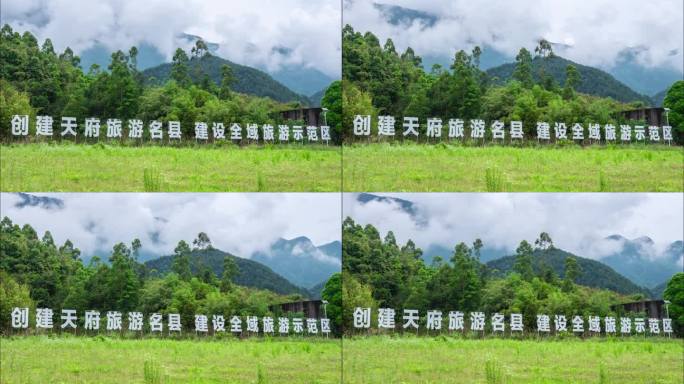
<point>36,80</point>
<point>592,81</point>
<point>36,272</point>
<point>594,273</point>
<point>378,273</point>
<point>247,80</point>
<point>637,260</point>
<point>539,86</point>
<point>251,273</point>
<point>287,257</point>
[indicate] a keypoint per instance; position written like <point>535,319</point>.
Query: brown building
<point>310,308</point>
<point>310,116</point>
<point>652,116</point>
<point>652,308</point>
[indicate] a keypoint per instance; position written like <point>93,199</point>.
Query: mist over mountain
<point>642,80</point>
<point>302,262</point>
<point>638,260</point>
<point>300,82</point>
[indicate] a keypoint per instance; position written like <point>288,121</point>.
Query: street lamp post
<point>325,122</point>
<point>325,312</point>
<point>667,312</point>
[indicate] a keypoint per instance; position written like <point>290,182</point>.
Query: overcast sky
<point>577,222</point>
<point>594,32</point>
<point>247,30</point>
<point>240,223</point>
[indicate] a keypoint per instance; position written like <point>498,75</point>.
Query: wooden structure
<point>651,308</point>
<point>652,116</point>
<point>310,116</point>
<point>310,308</point>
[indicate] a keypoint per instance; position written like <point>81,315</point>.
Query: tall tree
<point>523,261</point>
<point>572,80</point>
<point>523,68</point>
<point>230,271</point>
<point>544,241</point>
<point>572,272</point>
<point>227,80</point>
<point>674,293</point>
<point>181,261</point>
<point>179,68</point>
<point>202,241</point>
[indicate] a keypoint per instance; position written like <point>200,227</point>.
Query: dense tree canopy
<point>36,272</point>
<point>35,80</point>
<point>378,81</point>
<point>379,273</point>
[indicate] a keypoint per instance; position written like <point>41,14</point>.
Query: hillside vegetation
<point>246,80</point>
<point>251,273</point>
<point>594,273</point>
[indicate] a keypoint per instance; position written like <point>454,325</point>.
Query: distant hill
<point>659,290</point>
<point>593,81</point>
<point>247,79</point>
<point>594,273</point>
<point>252,273</point>
<point>659,98</point>
<point>300,261</point>
<point>317,97</point>
<point>317,290</point>
<point>305,81</point>
<point>637,260</point>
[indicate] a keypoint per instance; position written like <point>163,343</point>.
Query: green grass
<point>93,168</point>
<point>452,360</point>
<point>103,360</point>
<point>447,168</point>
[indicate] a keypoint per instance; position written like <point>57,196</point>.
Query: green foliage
<point>523,261</point>
<point>377,81</point>
<point>590,273</point>
<point>34,81</point>
<point>332,100</point>
<point>674,292</point>
<point>12,294</point>
<point>35,272</point>
<point>380,273</point>
<point>230,271</point>
<point>675,101</point>
<point>523,68</point>
<point>249,273</point>
<point>332,293</point>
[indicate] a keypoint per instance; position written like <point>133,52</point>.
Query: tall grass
<point>495,180</point>
<point>152,373</point>
<point>494,373</point>
<point>152,180</point>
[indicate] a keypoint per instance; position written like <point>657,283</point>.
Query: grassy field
<point>101,360</point>
<point>93,168</point>
<point>448,360</point>
<point>444,168</point>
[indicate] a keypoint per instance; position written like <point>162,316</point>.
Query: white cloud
<point>247,30</point>
<point>577,222</point>
<point>240,223</point>
<point>594,32</point>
